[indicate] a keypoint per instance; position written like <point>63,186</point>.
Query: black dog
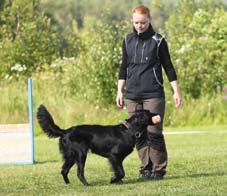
<point>113,142</point>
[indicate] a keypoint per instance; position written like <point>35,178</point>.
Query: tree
<point>197,38</point>
<point>161,10</point>
<point>27,41</point>
<point>94,74</point>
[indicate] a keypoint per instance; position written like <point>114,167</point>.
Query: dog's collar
<point>126,124</point>
<point>137,134</point>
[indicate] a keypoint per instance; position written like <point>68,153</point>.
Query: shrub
<point>27,41</point>
<point>197,38</point>
<point>95,73</point>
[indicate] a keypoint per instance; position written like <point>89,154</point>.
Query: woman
<point>145,52</point>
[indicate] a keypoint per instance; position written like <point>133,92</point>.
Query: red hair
<point>141,9</point>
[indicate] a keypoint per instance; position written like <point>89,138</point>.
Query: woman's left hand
<point>177,99</point>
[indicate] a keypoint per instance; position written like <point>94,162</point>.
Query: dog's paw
<point>116,181</point>
<point>87,184</point>
<point>66,181</point>
<point>120,182</point>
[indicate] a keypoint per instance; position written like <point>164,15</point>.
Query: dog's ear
<point>127,120</point>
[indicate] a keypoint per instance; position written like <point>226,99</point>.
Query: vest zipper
<point>143,51</point>
<point>135,50</point>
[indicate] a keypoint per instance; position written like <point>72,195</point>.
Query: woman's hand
<point>120,89</point>
<point>176,94</point>
<point>177,99</point>
<point>119,100</point>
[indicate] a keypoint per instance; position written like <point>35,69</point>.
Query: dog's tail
<point>47,124</point>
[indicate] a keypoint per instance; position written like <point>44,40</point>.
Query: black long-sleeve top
<point>163,55</point>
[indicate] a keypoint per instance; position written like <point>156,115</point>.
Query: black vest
<point>144,72</point>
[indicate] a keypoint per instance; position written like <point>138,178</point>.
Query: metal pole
<point>31,120</point>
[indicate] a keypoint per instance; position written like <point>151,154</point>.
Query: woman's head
<point>141,18</point>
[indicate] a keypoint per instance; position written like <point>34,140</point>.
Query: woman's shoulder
<point>129,37</point>
<point>157,37</point>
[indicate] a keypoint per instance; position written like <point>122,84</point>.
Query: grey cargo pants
<point>151,147</point>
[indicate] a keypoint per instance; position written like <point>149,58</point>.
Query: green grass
<point>66,109</point>
<point>197,166</point>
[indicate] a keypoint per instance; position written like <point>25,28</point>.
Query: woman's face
<point>140,22</point>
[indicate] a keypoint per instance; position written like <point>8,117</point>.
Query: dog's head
<point>140,120</point>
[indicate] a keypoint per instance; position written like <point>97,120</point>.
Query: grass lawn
<point>197,166</point>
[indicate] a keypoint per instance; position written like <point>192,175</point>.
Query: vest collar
<point>145,35</point>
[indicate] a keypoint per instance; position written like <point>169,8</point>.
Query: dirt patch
<point>15,144</point>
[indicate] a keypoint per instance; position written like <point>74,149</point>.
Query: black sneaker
<point>145,175</point>
<point>156,176</point>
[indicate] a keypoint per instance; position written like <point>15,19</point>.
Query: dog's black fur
<point>113,142</point>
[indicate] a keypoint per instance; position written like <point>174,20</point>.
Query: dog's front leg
<point>118,170</point>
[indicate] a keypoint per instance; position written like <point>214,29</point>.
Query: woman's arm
<point>122,78</point>
<point>170,71</point>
